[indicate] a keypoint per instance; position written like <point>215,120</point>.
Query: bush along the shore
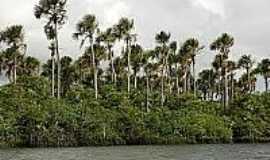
<point>31,118</point>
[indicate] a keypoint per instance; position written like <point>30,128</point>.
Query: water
<point>182,152</point>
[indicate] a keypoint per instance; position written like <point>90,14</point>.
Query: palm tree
<point>185,61</point>
<point>136,58</point>
<point>123,31</point>
<point>55,13</point>
<point>193,48</point>
<point>52,50</point>
<point>86,30</point>
<point>217,65</point>
<point>119,68</point>
<point>231,67</point>
<point>206,82</point>
<point>29,66</point>
<point>109,38</point>
<point>69,74</point>
<point>223,44</point>
<point>173,65</point>
<point>246,62</point>
<point>147,69</point>
<point>263,69</point>
<point>13,37</point>
<point>162,39</point>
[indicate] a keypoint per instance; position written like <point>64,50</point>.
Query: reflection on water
<point>182,152</point>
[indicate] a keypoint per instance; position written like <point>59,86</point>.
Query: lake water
<point>182,152</point>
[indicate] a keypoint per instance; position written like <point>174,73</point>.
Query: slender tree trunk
<point>219,92</point>
<point>53,79</point>
<point>135,80</point>
<point>188,79</point>
<point>177,85</point>
<point>249,84</point>
<point>113,77</point>
<point>226,99</point>
<point>162,88</point>
<point>147,93</point>
<point>266,84</point>
<point>209,85</point>
<point>177,80</point>
<point>232,87</point>
<point>58,62</point>
<point>15,69</point>
<point>129,69</point>
<point>162,82</point>
<point>194,77</point>
<point>185,80</point>
<point>94,68</point>
<point>170,84</point>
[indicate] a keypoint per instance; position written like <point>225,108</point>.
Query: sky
<point>246,20</point>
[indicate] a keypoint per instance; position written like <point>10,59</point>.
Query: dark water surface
<point>182,152</point>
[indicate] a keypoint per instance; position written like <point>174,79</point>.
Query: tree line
<point>167,66</point>
<point>149,78</point>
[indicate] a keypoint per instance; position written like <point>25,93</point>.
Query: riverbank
<point>30,118</point>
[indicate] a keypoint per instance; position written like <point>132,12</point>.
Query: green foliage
<point>250,118</point>
<point>31,118</point>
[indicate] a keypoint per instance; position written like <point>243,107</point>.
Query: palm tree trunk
<point>15,70</point>
<point>53,69</point>
<point>162,81</point>
<point>58,62</point>
<point>128,56</point>
<point>232,87</point>
<point>249,84</point>
<point>94,68</point>
<point>177,80</point>
<point>266,84</point>
<point>194,76</point>
<point>185,80</point>
<point>112,66</point>
<point>162,87</point>
<point>219,92</point>
<point>135,80</point>
<point>226,99</point>
<point>188,79</point>
<point>177,85</point>
<point>147,93</point>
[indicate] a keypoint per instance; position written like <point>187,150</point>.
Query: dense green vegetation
<point>128,96</point>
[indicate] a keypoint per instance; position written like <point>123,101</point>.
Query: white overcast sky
<point>247,20</point>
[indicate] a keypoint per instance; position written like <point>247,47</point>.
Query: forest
<point>127,96</point>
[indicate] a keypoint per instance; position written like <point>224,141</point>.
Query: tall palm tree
<point>247,63</point>
<point>231,67</point>
<point>217,65</point>
<point>162,39</point>
<point>55,13</point>
<point>13,37</point>
<point>109,38</point>
<point>86,31</point>
<point>52,50</point>
<point>263,69</point>
<point>119,68</point>
<point>193,48</point>
<point>223,44</point>
<point>173,65</point>
<point>185,61</point>
<point>147,69</point>
<point>69,74</point>
<point>206,82</point>
<point>123,31</point>
<point>136,58</point>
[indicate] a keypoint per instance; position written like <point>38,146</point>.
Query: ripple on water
<point>181,152</point>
